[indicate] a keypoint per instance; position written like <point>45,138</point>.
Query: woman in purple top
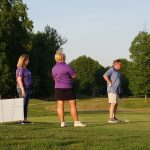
<point>24,82</point>
<point>63,75</point>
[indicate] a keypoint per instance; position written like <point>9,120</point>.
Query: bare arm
<point>19,81</point>
<point>74,76</point>
<point>107,79</point>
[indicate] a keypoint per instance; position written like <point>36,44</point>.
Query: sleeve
<point>20,72</point>
<point>108,73</point>
<point>71,71</point>
<point>52,73</point>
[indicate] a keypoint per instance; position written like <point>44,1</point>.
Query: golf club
<point>126,120</point>
<point>125,116</point>
<point>124,111</point>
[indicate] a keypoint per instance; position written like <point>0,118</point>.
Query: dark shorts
<point>64,94</point>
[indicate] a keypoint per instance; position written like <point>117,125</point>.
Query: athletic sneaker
<point>63,124</point>
<point>112,120</point>
<point>79,124</point>
<point>19,122</point>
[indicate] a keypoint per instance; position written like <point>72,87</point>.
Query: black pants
<point>26,100</point>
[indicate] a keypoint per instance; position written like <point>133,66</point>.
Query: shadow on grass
<point>139,121</point>
<point>41,125</point>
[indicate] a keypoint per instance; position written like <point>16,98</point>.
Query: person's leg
<point>19,96</point>
<point>74,114</point>
<point>26,102</point>
<point>111,110</point>
<point>60,110</point>
<point>113,103</point>
<point>115,110</point>
<point>73,110</point>
<point>116,105</point>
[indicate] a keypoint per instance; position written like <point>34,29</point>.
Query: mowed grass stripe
<point>46,133</point>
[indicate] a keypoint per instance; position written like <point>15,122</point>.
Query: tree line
<point>17,37</point>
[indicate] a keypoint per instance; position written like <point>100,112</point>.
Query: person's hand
<point>110,83</point>
<point>23,93</point>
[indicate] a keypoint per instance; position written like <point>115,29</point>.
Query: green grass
<point>46,134</point>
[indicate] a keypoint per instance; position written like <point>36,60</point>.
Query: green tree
<point>42,54</point>
<point>140,67</point>
<point>14,39</point>
<point>125,71</point>
<point>4,72</point>
<point>88,75</point>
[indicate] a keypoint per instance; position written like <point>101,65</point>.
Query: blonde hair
<point>22,59</point>
<point>60,56</point>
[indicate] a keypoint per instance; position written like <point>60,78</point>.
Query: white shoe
<point>63,124</point>
<point>112,120</point>
<point>79,124</point>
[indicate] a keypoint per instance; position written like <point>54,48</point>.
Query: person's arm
<point>71,72</point>
<point>74,76</point>
<point>19,80</point>
<point>52,74</point>
<point>106,76</point>
<point>107,80</point>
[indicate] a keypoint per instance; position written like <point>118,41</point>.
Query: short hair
<point>22,59</point>
<point>117,61</point>
<point>60,56</point>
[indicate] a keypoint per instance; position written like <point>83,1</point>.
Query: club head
<point>126,120</point>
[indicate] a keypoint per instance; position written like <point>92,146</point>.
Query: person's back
<point>62,75</point>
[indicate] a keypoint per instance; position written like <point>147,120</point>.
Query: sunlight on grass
<point>46,133</point>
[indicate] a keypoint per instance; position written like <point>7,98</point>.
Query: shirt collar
<point>114,69</point>
<point>60,63</point>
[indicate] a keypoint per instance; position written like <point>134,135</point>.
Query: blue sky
<point>100,29</point>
